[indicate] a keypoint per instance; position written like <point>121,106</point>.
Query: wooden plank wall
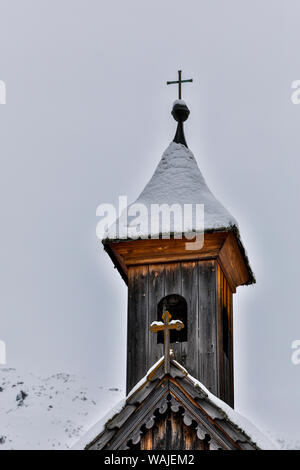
<point>208,339</point>
<point>196,282</point>
<point>226,372</point>
<point>138,318</point>
<point>170,433</point>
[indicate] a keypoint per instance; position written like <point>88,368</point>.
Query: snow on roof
<point>176,180</point>
<point>239,421</point>
<point>99,427</point>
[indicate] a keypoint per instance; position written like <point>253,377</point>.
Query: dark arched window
<point>177,306</point>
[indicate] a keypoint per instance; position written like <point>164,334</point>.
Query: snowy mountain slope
<point>51,412</point>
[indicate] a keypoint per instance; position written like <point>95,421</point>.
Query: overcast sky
<point>87,119</point>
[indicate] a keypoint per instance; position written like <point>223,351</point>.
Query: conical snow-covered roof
<point>177,180</point>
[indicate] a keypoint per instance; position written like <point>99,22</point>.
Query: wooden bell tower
<point>195,286</point>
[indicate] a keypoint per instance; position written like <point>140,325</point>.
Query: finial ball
<point>180,111</point>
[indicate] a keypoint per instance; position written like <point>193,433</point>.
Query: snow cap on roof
<point>176,180</point>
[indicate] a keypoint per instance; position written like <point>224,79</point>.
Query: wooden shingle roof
<point>182,396</point>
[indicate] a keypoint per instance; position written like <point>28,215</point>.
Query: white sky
<point>87,119</point>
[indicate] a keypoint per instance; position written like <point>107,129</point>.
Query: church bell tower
<point>195,285</point>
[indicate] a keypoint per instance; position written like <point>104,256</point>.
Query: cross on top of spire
<point>179,81</point>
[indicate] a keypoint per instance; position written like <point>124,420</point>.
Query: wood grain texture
<point>225,338</point>
<point>196,282</point>
<point>189,290</point>
<point>160,251</point>
<point>218,245</point>
<point>170,433</point>
<point>232,262</point>
<point>138,325</point>
<point>208,295</point>
<point>208,325</point>
<point>156,293</point>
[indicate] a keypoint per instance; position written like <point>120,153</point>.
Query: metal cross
<point>166,326</point>
<point>179,81</point>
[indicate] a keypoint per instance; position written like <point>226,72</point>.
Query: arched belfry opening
<point>177,306</point>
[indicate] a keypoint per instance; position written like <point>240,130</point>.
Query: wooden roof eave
<point>120,263</point>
